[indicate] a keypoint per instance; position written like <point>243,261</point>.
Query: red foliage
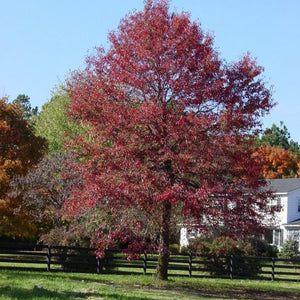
<point>170,131</point>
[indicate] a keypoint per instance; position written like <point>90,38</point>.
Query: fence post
<point>145,263</point>
<point>273,268</point>
<point>98,264</point>
<point>190,264</point>
<point>49,258</point>
<point>231,267</point>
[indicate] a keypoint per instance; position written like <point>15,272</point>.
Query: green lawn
<point>43,285</point>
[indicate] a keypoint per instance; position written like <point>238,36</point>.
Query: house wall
<point>282,216</point>
<point>184,240</point>
<point>279,217</point>
<point>289,212</point>
<point>292,211</point>
<point>187,233</point>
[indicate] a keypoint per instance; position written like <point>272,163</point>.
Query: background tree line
<point>34,184</point>
<point>33,180</point>
<point>281,153</point>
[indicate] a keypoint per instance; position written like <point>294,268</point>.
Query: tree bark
<point>164,243</point>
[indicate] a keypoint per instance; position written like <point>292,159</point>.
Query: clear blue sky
<point>42,40</point>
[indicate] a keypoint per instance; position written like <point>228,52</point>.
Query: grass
<point>43,285</point>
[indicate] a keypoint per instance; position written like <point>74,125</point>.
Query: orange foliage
<point>20,149</point>
<point>278,162</point>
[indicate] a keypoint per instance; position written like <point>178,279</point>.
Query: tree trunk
<point>164,243</point>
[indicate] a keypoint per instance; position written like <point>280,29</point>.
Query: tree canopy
<point>54,124</point>
<point>280,137</point>
<point>28,113</point>
<point>170,134</point>
<point>279,163</point>
<point>170,128</point>
<point>280,153</point>
<point>41,193</point>
<point>20,149</point>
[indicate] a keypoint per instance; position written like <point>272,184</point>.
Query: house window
<point>278,201</point>
<point>275,202</point>
<point>294,235</point>
<point>278,237</point>
<point>268,236</point>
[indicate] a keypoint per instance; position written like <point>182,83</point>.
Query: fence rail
<point>74,259</point>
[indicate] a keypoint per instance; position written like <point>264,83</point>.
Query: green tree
<point>279,136</point>
<point>28,112</point>
<point>54,124</point>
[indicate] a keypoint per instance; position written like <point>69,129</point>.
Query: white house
<point>287,224</point>
<point>287,192</point>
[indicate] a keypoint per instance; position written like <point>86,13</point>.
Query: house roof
<point>283,185</point>
<point>293,223</point>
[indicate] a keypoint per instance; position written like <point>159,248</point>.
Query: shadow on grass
<point>101,278</point>
<point>195,289</point>
<point>42,293</point>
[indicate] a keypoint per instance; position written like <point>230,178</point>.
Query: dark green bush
<point>219,253</point>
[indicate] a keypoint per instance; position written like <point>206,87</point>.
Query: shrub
<point>174,248</point>
<point>290,249</point>
<point>75,260</point>
<point>184,250</point>
<point>258,247</point>
<point>218,252</point>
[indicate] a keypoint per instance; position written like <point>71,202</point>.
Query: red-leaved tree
<point>170,135</point>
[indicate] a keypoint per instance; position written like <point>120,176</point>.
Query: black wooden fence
<point>74,259</point>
